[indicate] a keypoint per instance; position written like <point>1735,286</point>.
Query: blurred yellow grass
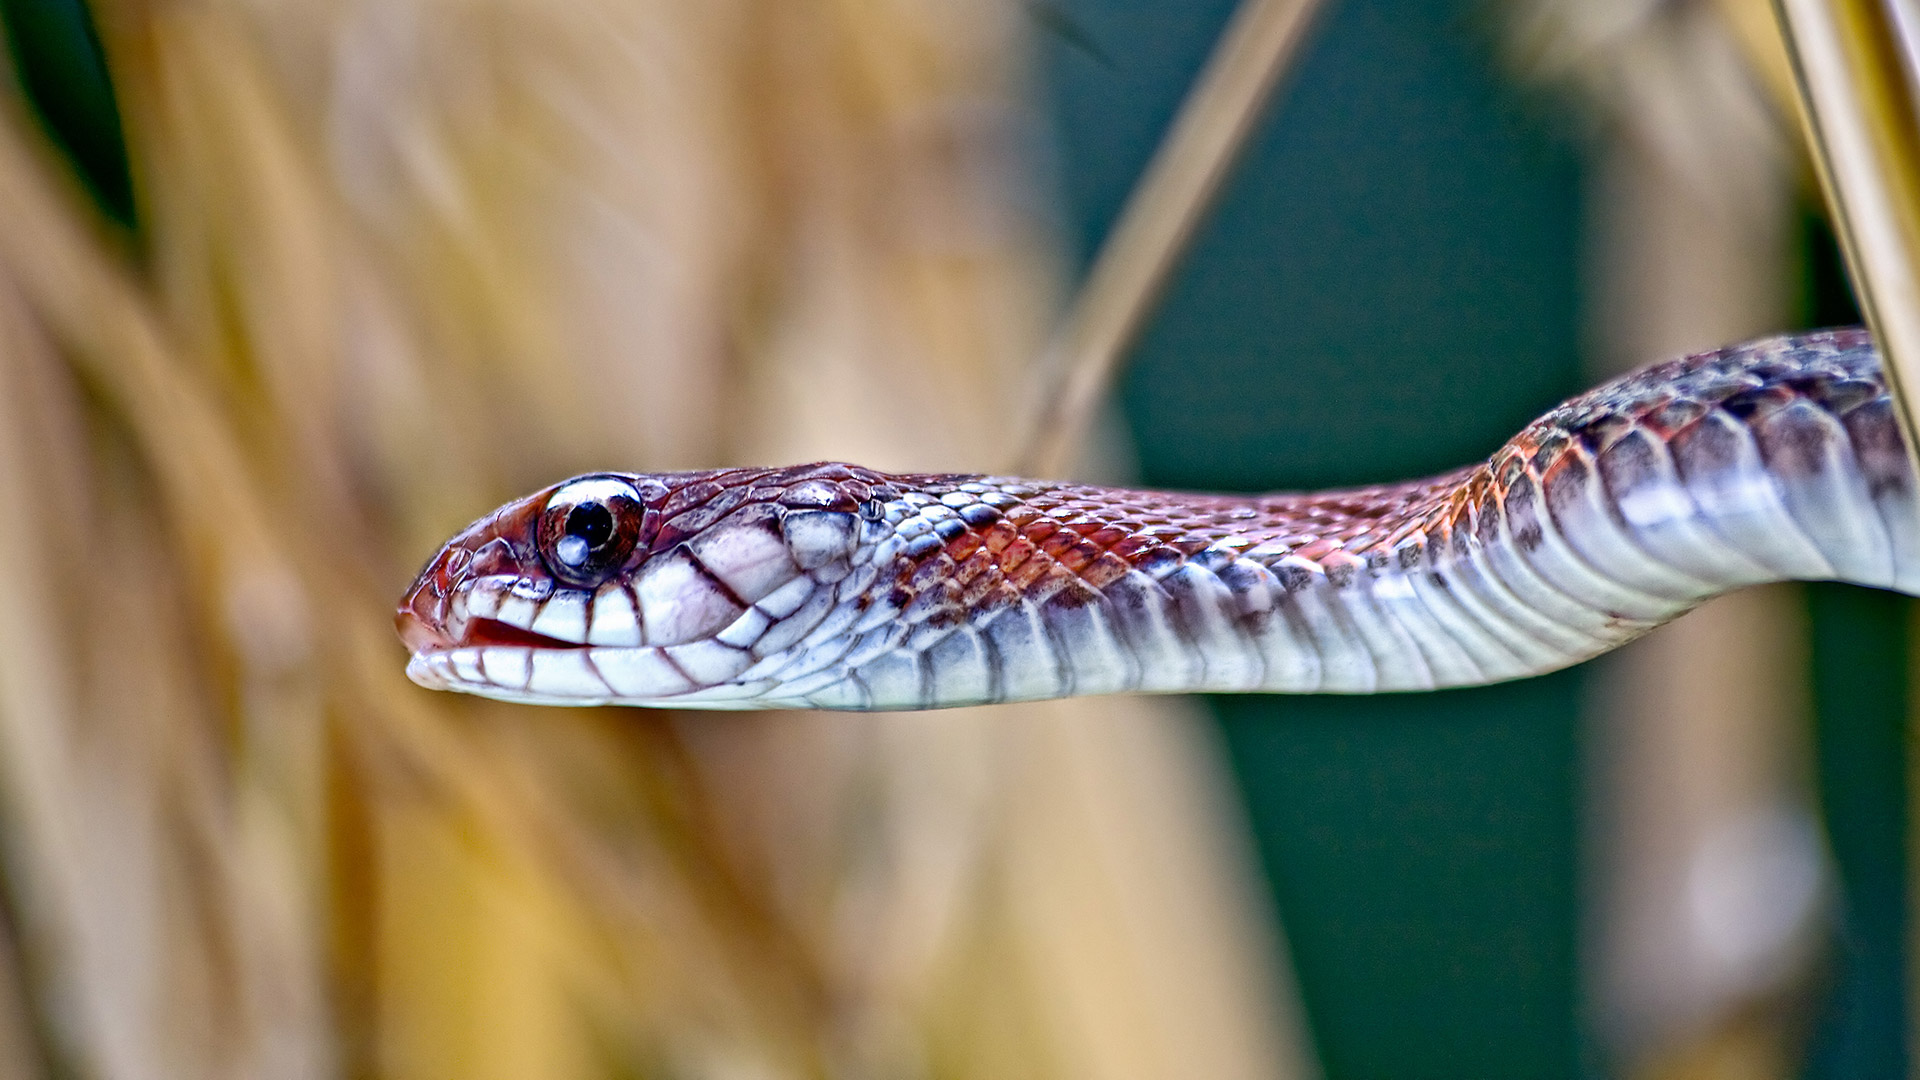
<point>405,260</point>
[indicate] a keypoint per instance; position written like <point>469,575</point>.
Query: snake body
<point>839,587</point>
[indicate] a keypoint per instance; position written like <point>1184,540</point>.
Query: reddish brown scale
<point>1021,516</point>
<point>980,563</point>
<point>1060,542</point>
<point>1076,558</point>
<point>987,580</point>
<point>1071,591</point>
<point>1017,554</point>
<point>963,546</point>
<point>690,495</point>
<point>1316,548</point>
<point>1105,570</point>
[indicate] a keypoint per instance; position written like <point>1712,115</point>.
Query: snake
<point>832,586</point>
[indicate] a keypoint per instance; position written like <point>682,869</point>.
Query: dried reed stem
<point>1855,62</point>
<point>1180,183</point>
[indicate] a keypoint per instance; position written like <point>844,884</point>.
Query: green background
<point>1390,287</point>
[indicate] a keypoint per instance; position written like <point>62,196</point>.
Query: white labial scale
<point>639,672</point>
<point>565,674</point>
<point>531,587</point>
<point>1742,502</point>
<point>483,599</point>
<point>709,663</point>
<point>563,616</point>
<point>615,620</point>
<point>788,630</point>
<point>679,602</point>
<point>750,558</point>
<point>466,665</point>
<point>435,671</point>
<point>517,610</point>
<point>507,666</point>
<point>1830,503</point>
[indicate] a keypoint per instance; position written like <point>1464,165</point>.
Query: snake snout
<point>428,619</point>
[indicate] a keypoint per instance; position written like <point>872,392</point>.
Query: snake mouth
<point>484,631</point>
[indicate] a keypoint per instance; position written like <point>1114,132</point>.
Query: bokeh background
<point>290,292</point>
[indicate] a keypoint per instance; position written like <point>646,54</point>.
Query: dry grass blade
<point>1179,184</point>
<point>401,261</point>
<point>1856,61</point>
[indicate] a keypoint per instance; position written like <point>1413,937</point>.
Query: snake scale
<point>838,587</point>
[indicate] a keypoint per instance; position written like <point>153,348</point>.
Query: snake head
<point>674,589</point>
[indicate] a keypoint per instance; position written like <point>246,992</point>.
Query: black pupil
<point>590,522</point>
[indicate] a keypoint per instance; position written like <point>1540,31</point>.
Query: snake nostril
<point>422,630</point>
<point>451,571</point>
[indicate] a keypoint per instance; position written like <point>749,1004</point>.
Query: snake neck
<point>1619,510</point>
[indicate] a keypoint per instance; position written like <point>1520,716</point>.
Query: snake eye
<point>588,529</point>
